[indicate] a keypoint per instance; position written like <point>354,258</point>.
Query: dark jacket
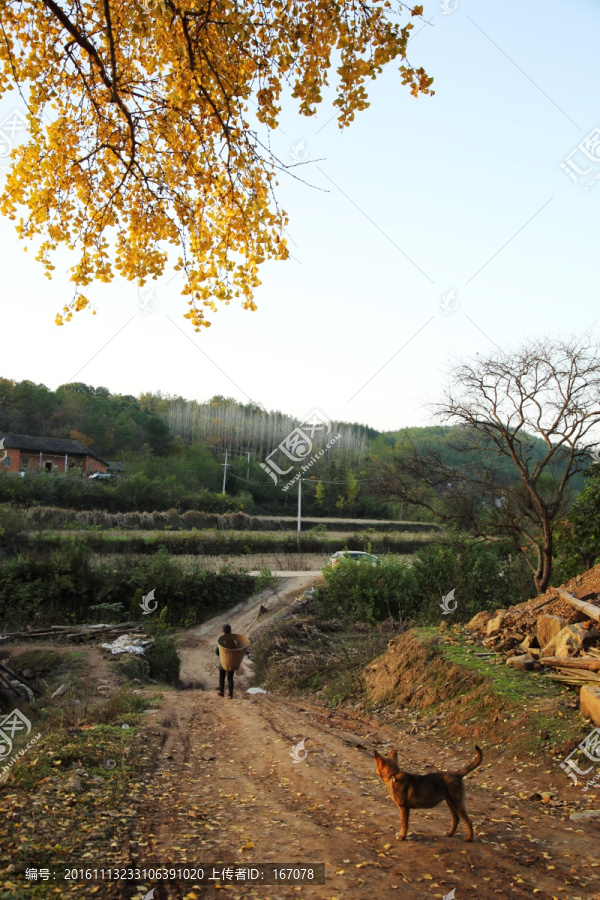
<point>218,654</point>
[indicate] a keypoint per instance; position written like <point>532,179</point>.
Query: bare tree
<point>525,423</point>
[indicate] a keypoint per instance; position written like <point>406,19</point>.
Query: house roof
<point>36,444</point>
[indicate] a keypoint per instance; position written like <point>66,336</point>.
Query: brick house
<point>27,453</point>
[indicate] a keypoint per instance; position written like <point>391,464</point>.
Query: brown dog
<point>425,791</point>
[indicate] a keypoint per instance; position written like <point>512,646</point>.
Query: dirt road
<point>226,790</point>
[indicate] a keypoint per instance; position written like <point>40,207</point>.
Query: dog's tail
<point>472,765</point>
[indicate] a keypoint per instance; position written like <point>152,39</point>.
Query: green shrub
<point>577,538</point>
<point>12,530</point>
<point>138,492</point>
<point>131,667</point>
<point>163,659</point>
<point>105,613</point>
<point>482,576</point>
<point>363,592</point>
<point>63,587</point>
<point>188,596</point>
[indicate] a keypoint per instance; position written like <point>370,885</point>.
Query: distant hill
<point>157,425</point>
<point>113,424</point>
<point>447,440</point>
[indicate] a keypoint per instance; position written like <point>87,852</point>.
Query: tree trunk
<point>544,569</point>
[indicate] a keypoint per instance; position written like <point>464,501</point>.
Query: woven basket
<point>232,648</point>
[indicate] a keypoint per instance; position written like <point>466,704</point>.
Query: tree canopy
<point>145,128</point>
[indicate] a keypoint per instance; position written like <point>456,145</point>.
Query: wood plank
<point>592,665</point>
<point>588,608</point>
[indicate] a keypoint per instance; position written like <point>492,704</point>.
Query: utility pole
<point>224,472</point>
<point>248,469</point>
<point>299,511</point>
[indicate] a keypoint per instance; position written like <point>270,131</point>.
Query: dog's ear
<point>393,754</point>
<point>376,755</point>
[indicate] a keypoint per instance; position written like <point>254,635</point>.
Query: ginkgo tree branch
<point>85,44</point>
<point>140,153</point>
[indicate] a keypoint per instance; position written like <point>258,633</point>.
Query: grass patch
<point>40,662</point>
<point>124,707</point>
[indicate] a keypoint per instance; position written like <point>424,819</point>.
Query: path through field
<point>226,790</point>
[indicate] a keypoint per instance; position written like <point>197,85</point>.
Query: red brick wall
<point>14,457</point>
<point>94,465</point>
<point>88,463</point>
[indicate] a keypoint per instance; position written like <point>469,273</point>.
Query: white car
<point>356,555</point>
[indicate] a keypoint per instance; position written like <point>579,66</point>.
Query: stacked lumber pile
<point>79,632</point>
<point>558,633</point>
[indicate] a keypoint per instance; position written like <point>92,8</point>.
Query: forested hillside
<point>110,424</point>
<point>172,453</point>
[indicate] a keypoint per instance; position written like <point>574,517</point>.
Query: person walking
<point>222,671</point>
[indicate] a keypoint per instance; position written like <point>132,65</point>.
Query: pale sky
<point>460,192</point>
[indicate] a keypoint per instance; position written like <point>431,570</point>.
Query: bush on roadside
<point>482,576</point>
<point>362,592</point>
<point>131,666</point>
<point>63,586</point>
<point>163,659</point>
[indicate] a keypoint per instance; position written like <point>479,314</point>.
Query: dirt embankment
<point>440,683</point>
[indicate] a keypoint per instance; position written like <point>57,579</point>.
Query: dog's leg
<point>401,835</point>
<point>455,819</point>
<point>468,823</point>
<point>462,811</point>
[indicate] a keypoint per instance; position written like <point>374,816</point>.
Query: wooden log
<point>91,635</point>
<point>116,630</point>
<point>30,634</point>
<point>64,630</point>
<point>102,626</point>
<point>20,678</point>
<point>69,633</point>
<point>588,608</point>
<point>567,662</point>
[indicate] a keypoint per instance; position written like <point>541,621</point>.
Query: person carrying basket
<point>222,671</point>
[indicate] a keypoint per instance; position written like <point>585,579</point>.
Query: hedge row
<point>220,543</point>
<point>171,519</point>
